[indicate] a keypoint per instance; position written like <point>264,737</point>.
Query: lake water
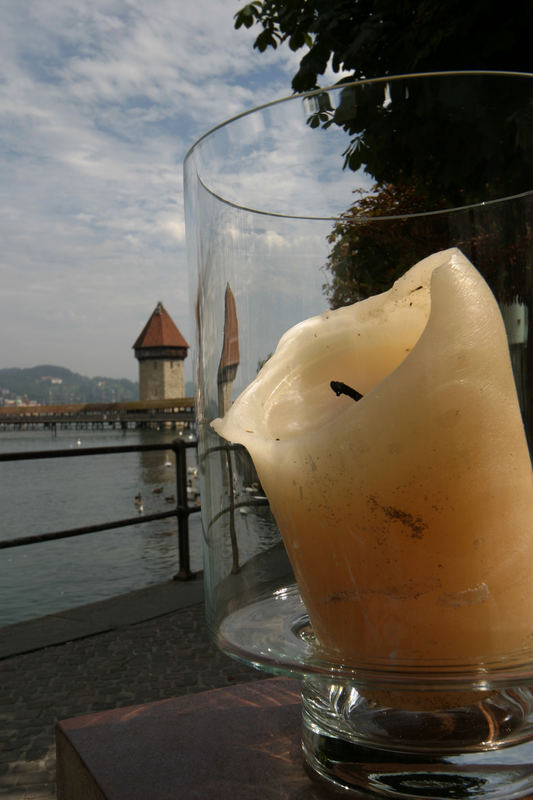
<point>48,495</point>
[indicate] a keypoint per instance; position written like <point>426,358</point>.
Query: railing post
<point>182,511</point>
<point>232,529</point>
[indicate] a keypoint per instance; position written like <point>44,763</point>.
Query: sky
<point>99,102</point>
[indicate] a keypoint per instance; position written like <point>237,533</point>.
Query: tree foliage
<point>376,241</point>
<point>409,145</point>
<point>387,231</point>
<point>371,38</point>
<point>431,144</point>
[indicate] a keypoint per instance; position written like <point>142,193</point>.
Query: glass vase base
<point>355,771</point>
<point>362,749</point>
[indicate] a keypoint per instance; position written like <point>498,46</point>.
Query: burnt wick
<point>342,388</point>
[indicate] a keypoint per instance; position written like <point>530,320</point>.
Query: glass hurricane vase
<point>361,265</point>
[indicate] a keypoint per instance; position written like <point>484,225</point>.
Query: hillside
<point>48,384</point>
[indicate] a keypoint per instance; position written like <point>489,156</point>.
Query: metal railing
<point>181,511</point>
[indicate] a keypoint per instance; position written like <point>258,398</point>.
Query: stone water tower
<point>161,351</point>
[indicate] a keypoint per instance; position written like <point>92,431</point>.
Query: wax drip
<point>342,388</point>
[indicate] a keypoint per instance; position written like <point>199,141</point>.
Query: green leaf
<point>297,40</point>
<point>247,15</point>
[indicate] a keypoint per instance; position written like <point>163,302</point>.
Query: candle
<point>407,513</point>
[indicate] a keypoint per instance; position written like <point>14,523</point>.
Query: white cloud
<point>99,101</point>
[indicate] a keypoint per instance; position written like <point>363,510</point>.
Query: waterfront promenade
<point>137,648</point>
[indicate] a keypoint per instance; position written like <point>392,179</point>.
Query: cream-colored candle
<point>407,515</point>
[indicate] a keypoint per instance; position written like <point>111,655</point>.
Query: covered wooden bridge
<point>85,415</point>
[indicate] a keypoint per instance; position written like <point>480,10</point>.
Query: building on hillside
<point>161,351</point>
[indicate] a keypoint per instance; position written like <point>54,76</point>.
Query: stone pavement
<point>138,648</point>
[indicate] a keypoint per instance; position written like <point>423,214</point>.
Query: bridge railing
<point>181,511</point>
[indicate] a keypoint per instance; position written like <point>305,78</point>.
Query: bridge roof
<point>230,348</point>
<point>160,331</point>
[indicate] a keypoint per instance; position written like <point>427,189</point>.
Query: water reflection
<point>51,495</point>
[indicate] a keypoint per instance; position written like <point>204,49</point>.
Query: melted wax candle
<point>407,515</point>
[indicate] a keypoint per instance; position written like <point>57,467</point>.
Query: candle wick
<point>342,388</point>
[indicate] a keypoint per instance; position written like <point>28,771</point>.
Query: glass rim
<point>337,87</point>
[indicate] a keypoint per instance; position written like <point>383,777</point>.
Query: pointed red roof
<point>160,331</point>
<point>230,347</point>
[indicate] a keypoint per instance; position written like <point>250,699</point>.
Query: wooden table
<point>239,743</point>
